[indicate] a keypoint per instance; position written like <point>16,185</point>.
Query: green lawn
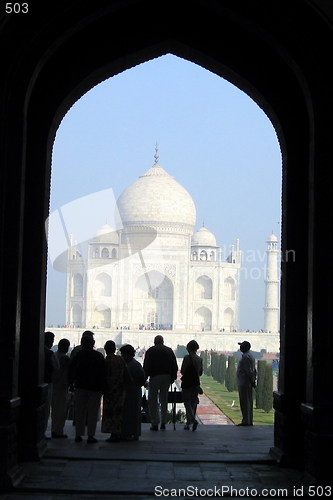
<point>224,399</point>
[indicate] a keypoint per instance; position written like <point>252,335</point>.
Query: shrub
<point>261,368</point>
<point>214,364</point>
<point>222,366</point>
<point>231,376</point>
<point>267,393</point>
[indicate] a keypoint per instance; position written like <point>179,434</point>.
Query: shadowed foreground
<point>214,461</point>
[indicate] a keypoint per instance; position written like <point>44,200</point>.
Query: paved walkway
<point>221,459</point>
<point>209,414</point>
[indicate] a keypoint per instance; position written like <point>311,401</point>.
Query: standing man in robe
<point>246,381</point>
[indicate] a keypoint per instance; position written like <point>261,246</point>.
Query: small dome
<point>204,238</point>
<point>272,237</point>
<point>104,230</point>
<point>156,199</point>
<point>106,234</point>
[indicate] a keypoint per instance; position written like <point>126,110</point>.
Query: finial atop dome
<point>156,155</point>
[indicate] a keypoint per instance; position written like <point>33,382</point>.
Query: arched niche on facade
<point>77,285</point>
<point>229,288</point>
<point>77,315</point>
<point>203,255</point>
<point>102,286</point>
<point>203,318</point>
<point>105,253</point>
<point>102,316</point>
<point>155,285</point>
<point>229,318</point>
<point>203,288</point>
<point>156,292</point>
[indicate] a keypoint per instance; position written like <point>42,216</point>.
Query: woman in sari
<point>131,424</point>
<point>113,398</point>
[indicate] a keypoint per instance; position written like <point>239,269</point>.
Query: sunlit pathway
<point>209,413</point>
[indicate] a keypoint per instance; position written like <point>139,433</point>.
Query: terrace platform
<point>216,460</point>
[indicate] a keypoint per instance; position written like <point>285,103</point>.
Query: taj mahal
<point>159,273</point>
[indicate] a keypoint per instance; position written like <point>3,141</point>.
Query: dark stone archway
<point>279,54</point>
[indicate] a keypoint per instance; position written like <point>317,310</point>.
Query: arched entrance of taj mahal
<point>57,56</point>
<point>154,292</point>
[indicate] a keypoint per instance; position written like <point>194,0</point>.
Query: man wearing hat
<point>246,381</point>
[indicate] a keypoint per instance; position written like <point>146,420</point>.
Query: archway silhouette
<point>99,72</point>
<point>59,56</point>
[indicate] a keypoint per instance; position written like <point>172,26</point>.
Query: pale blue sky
<point>213,139</point>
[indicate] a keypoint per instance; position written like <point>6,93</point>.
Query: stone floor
<point>218,460</point>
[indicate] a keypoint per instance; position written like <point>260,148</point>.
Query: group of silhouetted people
<point>116,381</point>
<point>91,378</point>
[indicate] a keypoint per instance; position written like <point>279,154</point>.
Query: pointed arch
<point>76,314</point>
<point>78,285</point>
<point>203,288</point>
<point>203,255</point>
<point>155,293</point>
<point>229,319</point>
<point>103,285</point>
<point>102,316</point>
<point>105,253</point>
<point>203,319</point>
<point>229,288</point>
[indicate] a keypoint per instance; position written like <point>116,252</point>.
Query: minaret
<point>272,282</point>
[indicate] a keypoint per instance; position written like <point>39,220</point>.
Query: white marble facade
<point>156,272</point>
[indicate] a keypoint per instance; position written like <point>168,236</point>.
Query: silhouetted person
<point>114,394</point>
<point>51,365</point>
<point>246,381</point>
<point>78,348</point>
<point>87,374</point>
<point>60,390</point>
<point>74,351</point>
<point>160,365</point>
<point>191,371</point>
<point>131,422</point>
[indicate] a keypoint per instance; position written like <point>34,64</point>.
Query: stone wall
<point>220,341</point>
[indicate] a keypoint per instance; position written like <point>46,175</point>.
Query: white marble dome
<point>157,199</point>
<point>203,238</point>
<point>272,238</point>
<point>107,234</point>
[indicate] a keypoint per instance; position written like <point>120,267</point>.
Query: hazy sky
<point>213,139</point>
